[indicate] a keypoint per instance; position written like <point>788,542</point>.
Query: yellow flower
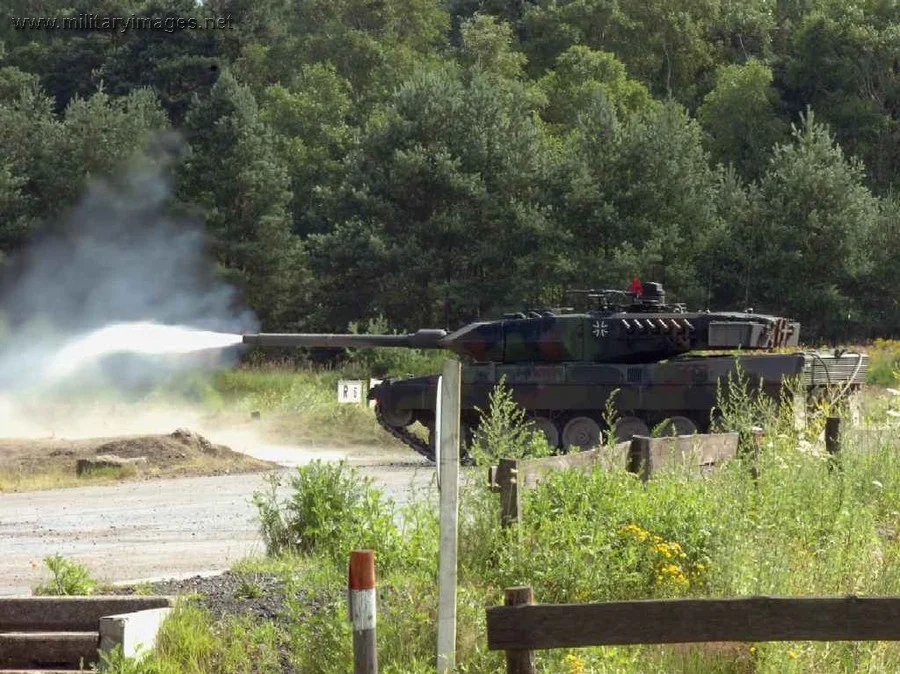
<point>574,664</point>
<point>792,655</point>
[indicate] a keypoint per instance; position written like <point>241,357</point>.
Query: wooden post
<point>362,611</point>
<point>756,438</point>
<point>833,435</point>
<point>640,449</point>
<point>519,661</point>
<point>449,513</point>
<point>833,441</point>
<point>510,494</point>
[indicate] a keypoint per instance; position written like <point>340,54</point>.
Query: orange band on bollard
<point>362,570</point>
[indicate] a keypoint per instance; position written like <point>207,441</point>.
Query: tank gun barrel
<point>422,339</point>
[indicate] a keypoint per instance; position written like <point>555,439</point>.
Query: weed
<point>144,588</point>
<point>249,588</point>
<point>795,528</point>
<point>504,431</point>
<point>69,578</point>
<point>884,362</point>
<point>329,509</point>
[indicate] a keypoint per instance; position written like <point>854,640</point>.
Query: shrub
<point>329,509</point>
<point>884,362</point>
<point>69,578</point>
<point>504,431</point>
<point>364,363</point>
<point>601,535</point>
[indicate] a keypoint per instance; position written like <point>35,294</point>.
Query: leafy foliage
<point>504,430</point>
<point>435,163</point>
<point>69,578</point>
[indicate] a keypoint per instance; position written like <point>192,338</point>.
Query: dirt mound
<point>182,445</point>
<point>50,462</point>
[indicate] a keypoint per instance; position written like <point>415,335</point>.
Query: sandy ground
<point>168,528</point>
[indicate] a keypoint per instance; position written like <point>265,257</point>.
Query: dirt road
<point>161,528</point>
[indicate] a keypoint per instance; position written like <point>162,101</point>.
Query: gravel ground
<point>260,595</point>
<point>156,529</point>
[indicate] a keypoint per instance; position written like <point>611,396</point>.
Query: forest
<point>428,163</point>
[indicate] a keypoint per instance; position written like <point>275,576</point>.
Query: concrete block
<point>47,649</point>
<point>48,614</point>
<point>107,461</point>
<point>135,632</point>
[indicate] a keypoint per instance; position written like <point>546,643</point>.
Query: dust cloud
<point>114,299</point>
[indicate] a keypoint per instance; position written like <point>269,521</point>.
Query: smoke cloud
<point>120,256</point>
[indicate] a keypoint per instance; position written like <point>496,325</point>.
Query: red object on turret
<point>636,286</point>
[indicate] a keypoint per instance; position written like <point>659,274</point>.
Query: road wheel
<point>679,425</point>
<point>628,427</point>
<point>395,417</point>
<point>548,428</point>
<point>580,433</point>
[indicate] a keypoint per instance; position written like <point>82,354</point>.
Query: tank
<point>658,361</point>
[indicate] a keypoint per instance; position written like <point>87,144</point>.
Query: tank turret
<point>563,366</point>
<point>644,330</point>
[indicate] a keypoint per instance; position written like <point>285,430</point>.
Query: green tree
<point>95,137</point>
<point>665,45</point>
<point>235,176</point>
<point>488,46</point>
<point>312,134</point>
<point>48,160</point>
<point>25,118</point>
<point>582,78</point>
<point>740,117</point>
<point>177,65</point>
<point>441,199</point>
<point>664,193</point>
<point>806,249</point>
<point>842,62</point>
<point>372,45</point>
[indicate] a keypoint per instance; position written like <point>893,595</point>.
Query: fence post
<point>519,661</point>
<point>833,440</point>
<point>362,611</point>
<point>449,515</point>
<point>510,496</point>
<point>833,435</point>
<point>640,449</point>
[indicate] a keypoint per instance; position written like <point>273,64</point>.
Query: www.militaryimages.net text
<point>122,24</point>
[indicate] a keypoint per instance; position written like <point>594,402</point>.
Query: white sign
<point>372,384</point>
<point>350,391</point>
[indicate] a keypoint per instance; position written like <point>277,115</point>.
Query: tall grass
<point>884,362</point>
<point>797,525</point>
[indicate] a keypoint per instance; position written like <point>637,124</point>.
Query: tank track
<point>406,437</point>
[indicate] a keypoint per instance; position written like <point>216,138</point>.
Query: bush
<point>330,509</point>
<point>364,363</point>
<point>603,535</point>
<point>504,431</point>
<point>884,363</point>
<point>69,578</point>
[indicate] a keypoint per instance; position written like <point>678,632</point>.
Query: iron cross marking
<point>600,329</point>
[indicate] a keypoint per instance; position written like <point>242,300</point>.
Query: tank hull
<point>567,397</point>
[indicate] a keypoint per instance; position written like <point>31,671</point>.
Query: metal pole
<point>449,504</point>
<point>437,429</point>
<point>362,611</point>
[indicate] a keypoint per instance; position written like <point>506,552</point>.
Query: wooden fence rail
<point>522,627</point>
<point>645,456</point>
